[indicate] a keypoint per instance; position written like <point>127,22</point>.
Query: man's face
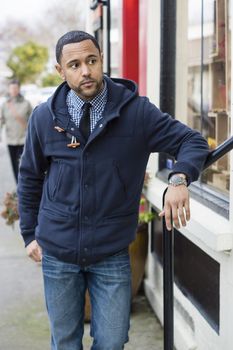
<point>82,67</point>
<point>13,90</point>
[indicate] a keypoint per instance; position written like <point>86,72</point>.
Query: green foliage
<point>27,61</point>
<point>145,215</point>
<point>51,79</point>
<point>10,211</point>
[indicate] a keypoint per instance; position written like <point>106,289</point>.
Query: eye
<point>74,65</point>
<point>92,61</point>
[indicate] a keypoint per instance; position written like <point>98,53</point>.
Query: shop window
<point>202,95</point>
<point>209,80</point>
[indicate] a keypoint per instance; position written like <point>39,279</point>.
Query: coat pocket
<point>63,183</point>
<point>57,229</point>
<point>54,214</point>
<point>111,191</point>
<point>55,182</point>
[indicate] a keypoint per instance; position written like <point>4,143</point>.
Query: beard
<point>88,88</point>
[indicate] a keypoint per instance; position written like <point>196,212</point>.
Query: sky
<point>31,13</point>
<point>25,10</point>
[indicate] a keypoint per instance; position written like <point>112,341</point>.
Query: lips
<point>87,83</point>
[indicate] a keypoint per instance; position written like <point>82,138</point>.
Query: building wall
<point>208,230</point>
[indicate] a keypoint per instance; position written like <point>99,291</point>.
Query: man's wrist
<point>178,179</point>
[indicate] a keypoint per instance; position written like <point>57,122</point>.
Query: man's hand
<point>34,251</point>
<point>176,205</point>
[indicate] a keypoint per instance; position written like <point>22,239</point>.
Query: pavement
<point>23,318</point>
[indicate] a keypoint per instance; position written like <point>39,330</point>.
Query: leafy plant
<point>27,61</point>
<point>145,215</point>
<point>10,211</point>
<point>51,79</point>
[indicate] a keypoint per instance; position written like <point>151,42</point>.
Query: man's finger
<point>36,258</point>
<point>38,255</point>
<point>167,214</point>
<point>181,215</point>
<point>175,216</point>
<point>187,210</point>
<point>35,255</point>
<point>162,213</point>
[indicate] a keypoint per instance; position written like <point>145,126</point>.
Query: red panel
<point>130,53</point>
<point>143,47</point>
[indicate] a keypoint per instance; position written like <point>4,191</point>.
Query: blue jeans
<point>109,286</point>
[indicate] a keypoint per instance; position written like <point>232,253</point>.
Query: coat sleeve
<point>166,134</point>
<point>32,170</point>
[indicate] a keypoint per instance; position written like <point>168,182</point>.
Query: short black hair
<point>74,36</point>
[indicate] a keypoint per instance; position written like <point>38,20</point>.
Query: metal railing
<point>168,256</point>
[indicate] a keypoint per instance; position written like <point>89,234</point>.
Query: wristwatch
<point>177,180</point>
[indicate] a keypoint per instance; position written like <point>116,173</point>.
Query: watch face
<point>176,180</point>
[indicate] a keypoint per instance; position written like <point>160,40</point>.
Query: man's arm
<point>32,171</point>
<point>187,146</point>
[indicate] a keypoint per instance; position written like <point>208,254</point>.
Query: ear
<point>60,71</point>
<point>102,57</point>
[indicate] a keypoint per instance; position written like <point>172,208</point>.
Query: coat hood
<point>120,92</point>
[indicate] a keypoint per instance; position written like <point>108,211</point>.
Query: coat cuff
<point>28,238</point>
<point>190,171</point>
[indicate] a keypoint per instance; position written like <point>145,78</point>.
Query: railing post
<point>168,281</point>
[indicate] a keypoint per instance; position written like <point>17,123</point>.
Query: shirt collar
<point>96,102</point>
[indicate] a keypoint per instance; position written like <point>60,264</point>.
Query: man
<point>80,183</point>
<point>15,114</point>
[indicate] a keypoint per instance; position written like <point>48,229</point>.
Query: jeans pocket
<point>119,264</point>
<point>122,252</point>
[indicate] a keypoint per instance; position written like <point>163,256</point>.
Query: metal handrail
<point>168,256</point>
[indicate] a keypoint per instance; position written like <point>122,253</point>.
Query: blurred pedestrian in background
<point>15,113</point>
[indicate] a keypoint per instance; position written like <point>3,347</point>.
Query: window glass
<point>209,79</point>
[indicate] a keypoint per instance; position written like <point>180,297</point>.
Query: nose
<point>85,70</point>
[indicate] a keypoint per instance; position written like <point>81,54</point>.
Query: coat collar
<point>120,92</point>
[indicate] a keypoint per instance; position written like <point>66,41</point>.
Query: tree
<point>61,16</point>
<point>27,61</point>
<point>14,33</point>
<point>65,16</point>
<point>51,79</point>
